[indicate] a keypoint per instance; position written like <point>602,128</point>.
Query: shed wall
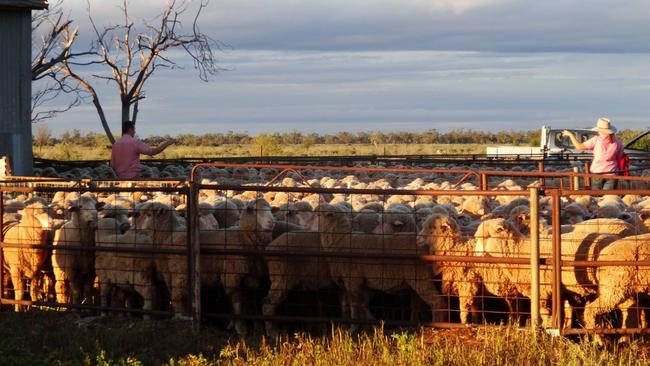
<point>15,89</point>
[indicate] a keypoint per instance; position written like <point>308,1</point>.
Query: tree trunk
<point>126,109</point>
<point>102,118</point>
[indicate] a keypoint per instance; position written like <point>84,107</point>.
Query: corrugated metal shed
<point>23,4</point>
<point>16,82</point>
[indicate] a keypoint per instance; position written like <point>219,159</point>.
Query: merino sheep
<point>169,231</point>
<point>226,212</point>
<point>127,271</point>
<point>443,235</point>
<point>27,263</point>
<point>359,273</point>
<point>74,270</point>
<point>254,232</point>
<point>397,219</point>
<point>286,274</point>
<point>499,237</point>
<point>619,286</point>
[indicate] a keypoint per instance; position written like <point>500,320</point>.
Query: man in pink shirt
<point>125,153</point>
<point>607,149</point>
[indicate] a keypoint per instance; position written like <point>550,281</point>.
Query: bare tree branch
<point>52,49</point>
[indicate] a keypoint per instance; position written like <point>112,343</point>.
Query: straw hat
<point>604,126</point>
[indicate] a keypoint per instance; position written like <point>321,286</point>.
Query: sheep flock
<point>323,244</point>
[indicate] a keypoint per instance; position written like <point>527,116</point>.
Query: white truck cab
<point>551,143</point>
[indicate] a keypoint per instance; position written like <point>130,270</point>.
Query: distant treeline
<point>432,136</point>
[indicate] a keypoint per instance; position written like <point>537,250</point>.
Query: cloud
<point>312,91</point>
<point>469,25</point>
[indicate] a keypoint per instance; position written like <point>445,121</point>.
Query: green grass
<point>78,152</point>
<point>52,338</point>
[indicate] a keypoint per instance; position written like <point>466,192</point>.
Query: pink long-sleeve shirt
<point>606,153</point>
<point>125,156</point>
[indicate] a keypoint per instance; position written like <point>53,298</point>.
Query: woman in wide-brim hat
<point>607,149</point>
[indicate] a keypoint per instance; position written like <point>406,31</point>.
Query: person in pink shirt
<point>125,153</point>
<point>607,149</point>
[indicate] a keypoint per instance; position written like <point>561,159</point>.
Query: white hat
<point>603,125</point>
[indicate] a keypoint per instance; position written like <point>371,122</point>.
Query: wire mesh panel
<point>268,248</point>
<point>347,246</point>
<point>95,246</point>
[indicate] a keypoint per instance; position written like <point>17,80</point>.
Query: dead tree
<point>52,45</point>
<point>132,54</point>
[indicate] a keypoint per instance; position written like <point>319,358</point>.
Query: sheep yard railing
<point>389,286</point>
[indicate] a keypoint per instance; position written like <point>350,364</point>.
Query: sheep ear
<point>160,211</point>
<point>500,228</point>
<point>644,215</point>
<point>100,205</point>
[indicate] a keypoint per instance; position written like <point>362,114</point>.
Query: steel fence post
<point>194,252</point>
<point>556,255</point>
<point>534,259</point>
<point>575,180</point>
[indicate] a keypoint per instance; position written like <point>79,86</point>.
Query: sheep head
<point>332,219</point>
<point>257,216</point>
<point>495,236</point>
<point>37,212</point>
<point>84,210</point>
<point>439,232</point>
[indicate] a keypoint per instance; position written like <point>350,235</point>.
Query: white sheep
<point>619,286</point>
<point>254,232</point>
<point>74,270</point>
<point>500,238</point>
<point>169,231</point>
<point>357,274</point>
<point>27,263</point>
<point>126,271</point>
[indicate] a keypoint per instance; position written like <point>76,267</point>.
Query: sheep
<point>207,221</point>
<point>443,235</point>
<point>366,221</point>
<point>381,274</point>
<point>129,272</point>
<point>475,206</point>
<point>286,274</point>
<point>169,231</point>
<point>499,237</point>
<point>117,212</point>
<point>27,263</point>
<point>619,286</point>
<point>254,232</point>
<point>396,219</point>
<point>74,270</point>
<point>226,212</point>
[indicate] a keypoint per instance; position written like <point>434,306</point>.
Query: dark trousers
<point>603,184</point>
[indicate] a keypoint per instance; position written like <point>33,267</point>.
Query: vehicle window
<point>643,144</point>
<point>586,136</point>
<point>562,141</point>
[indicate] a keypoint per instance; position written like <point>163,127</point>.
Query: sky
<point>391,65</point>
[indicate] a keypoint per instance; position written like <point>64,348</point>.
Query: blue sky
<point>332,65</point>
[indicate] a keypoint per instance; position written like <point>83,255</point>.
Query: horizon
<point>332,66</point>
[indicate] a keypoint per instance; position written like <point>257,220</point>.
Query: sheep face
<point>86,210</point>
<point>259,214</point>
<point>156,216</point>
<point>332,219</point>
<point>493,236</point>
<point>40,213</point>
<point>438,226</point>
